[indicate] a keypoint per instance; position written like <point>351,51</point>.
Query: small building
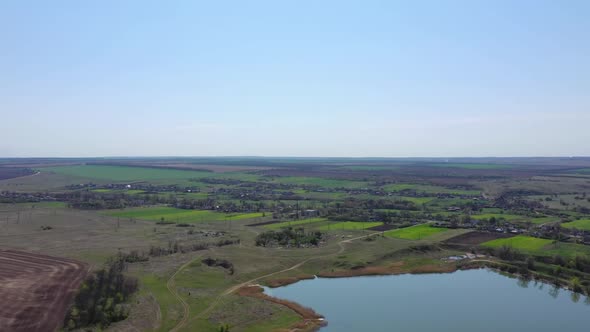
<point>311,213</point>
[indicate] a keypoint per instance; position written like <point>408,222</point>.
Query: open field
<point>563,202</point>
<point>320,182</point>
<point>417,232</point>
<point>179,292</point>
<point>295,223</point>
<point>475,238</point>
<point>418,200</point>
<point>369,168</point>
<point>429,189</point>
<point>36,290</point>
<point>180,215</point>
<point>583,224</point>
<point>129,174</point>
<point>520,242</point>
<point>349,225</point>
<point>13,172</point>
<point>498,216</point>
<point>472,166</point>
<point>125,173</point>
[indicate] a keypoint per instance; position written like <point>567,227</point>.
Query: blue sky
<point>295,78</point>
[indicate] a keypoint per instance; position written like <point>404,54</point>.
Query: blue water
<point>473,300</point>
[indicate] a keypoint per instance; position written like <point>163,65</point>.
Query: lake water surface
<point>473,300</point>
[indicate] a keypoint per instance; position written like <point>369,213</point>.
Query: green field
<point>128,192</point>
<point>294,223</point>
<point>543,220</point>
<point>137,174</point>
<point>417,200</point>
<point>471,166</point>
<point>350,225</point>
<point>102,190</point>
<point>180,215</point>
<point>505,216</point>
<point>520,242</point>
<point>370,168</point>
<point>417,232</point>
<point>125,173</point>
<point>429,189</point>
<point>582,224</point>
<point>320,182</point>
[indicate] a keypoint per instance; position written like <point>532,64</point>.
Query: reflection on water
<point>523,283</point>
<point>554,292</point>
<point>464,301</point>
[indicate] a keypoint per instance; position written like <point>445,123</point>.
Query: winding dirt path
<point>172,289</point>
<point>234,288</point>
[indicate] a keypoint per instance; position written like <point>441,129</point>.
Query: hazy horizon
<point>429,79</point>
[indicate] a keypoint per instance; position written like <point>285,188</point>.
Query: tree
<point>465,219</point>
<point>493,220</point>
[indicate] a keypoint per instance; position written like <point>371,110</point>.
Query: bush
<point>289,237</point>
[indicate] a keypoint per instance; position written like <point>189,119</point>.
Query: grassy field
<point>582,224</point>
<point>349,225</point>
<point>505,216</point>
<point>562,202</point>
<point>320,182</point>
<point>294,223</point>
<point>124,173</point>
<point>471,166</point>
<point>180,215</point>
<point>128,192</point>
<point>417,200</point>
<point>581,171</point>
<point>543,220</point>
<point>417,232</point>
<point>370,168</point>
<point>429,189</point>
<point>145,174</point>
<point>520,242</point>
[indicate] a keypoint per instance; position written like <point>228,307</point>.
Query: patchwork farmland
<point>190,232</point>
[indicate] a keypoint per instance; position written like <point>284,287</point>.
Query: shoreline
<point>313,321</point>
<point>396,268</point>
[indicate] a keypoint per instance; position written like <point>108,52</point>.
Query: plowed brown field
<point>35,290</point>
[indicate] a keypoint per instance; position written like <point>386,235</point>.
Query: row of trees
<point>572,271</point>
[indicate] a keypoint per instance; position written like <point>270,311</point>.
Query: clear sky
<point>295,78</point>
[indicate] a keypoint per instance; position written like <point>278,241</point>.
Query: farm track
<point>36,290</point>
<point>234,288</point>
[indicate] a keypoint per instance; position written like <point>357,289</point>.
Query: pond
<point>472,300</point>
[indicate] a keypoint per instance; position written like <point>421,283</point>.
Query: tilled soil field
<point>475,238</point>
<point>11,172</point>
<point>35,290</point>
